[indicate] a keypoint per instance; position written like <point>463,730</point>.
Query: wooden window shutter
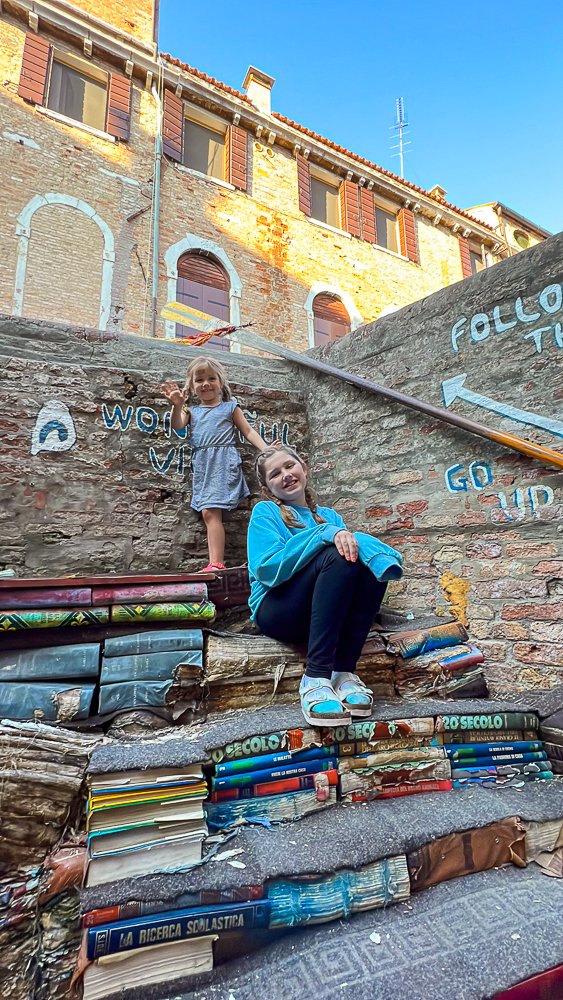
<point>173,126</point>
<point>369,225</point>
<point>35,69</point>
<point>326,306</point>
<point>236,147</point>
<point>303,184</point>
<point>407,235</point>
<point>465,257</point>
<point>118,121</point>
<point>203,269</point>
<point>350,208</point>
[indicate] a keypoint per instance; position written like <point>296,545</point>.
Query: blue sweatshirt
<point>276,552</point>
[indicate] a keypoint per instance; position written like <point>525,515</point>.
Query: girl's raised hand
<point>347,545</point>
<point>173,393</point>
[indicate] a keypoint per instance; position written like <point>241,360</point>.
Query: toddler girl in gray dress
<point>218,482</point>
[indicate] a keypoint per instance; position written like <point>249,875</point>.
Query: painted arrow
<point>454,388</point>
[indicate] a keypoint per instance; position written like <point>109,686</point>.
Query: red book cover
<point>280,787</point>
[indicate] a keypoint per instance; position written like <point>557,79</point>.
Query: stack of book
<point>98,601</point>
<point>164,945</point>
<point>275,786</point>
<point>49,684</point>
<point>392,765</point>
<point>455,671</point>
<point>140,822</point>
<point>153,669</point>
<point>551,732</point>
<point>499,749</point>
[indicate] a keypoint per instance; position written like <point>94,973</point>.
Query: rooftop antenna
<point>400,128</point>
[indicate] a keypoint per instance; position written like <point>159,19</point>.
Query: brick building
<point>132,179</point>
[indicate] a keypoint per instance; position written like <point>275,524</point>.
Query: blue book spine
<point>274,759</point>
<point>273,774</point>
<point>467,782</point>
<point>51,663</point>
<point>497,758</point>
<point>56,702</point>
<point>484,749</point>
<point>176,925</point>
<point>474,772</point>
<point>148,666</point>
<point>133,694</point>
<point>154,641</point>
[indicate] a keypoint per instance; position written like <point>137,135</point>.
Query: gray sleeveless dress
<point>216,464</point>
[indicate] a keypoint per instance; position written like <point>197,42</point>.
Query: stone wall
<point>92,480</point>
<point>479,525</point>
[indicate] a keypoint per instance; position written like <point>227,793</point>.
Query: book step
<point>345,837</point>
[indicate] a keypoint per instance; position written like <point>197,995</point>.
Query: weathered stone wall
<point>478,524</point>
<point>91,478</point>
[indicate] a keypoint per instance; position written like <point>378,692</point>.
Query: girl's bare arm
<point>244,427</point>
<point>180,417</point>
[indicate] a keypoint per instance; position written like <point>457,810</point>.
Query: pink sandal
<point>212,567</point>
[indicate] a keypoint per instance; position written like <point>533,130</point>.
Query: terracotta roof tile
<point>203,76</point>
<point>374,166</point>
<point>317,137</point>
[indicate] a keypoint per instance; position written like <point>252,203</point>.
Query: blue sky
<point>481,82</point>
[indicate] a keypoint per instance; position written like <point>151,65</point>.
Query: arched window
<point>330,317</point>
<point>203,284</point>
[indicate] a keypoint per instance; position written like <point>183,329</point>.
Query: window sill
<point>71,121</point>
<point>392,253</point>
<point>205,177</point>
<point>330,229</point>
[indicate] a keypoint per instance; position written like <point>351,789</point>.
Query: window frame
<point>382,204</point>
<point>476,253</point>
<point>329,180</point>
<point>87,70</point>
<point>212,123</point>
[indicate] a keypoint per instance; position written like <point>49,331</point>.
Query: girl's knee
<point>338,563</point>
<point>212,514</point>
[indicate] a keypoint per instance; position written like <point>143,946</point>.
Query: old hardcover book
<point>168,854</point>
<point>457,751</point>
<point>418,641</point>
<point>304,739</point>
<point>243,780</point>
<point>276,808</point>
<point>252,692</point>
<point>295,903</point>
<point>274,760</point>
<point>161,963</point>
<point>203,897</point>
<point>397,791</point>
<point>457,854</point>
<point>51,663</point>
<point>180,666</point>
<point>176,925</point>
<point>489,736</point>
<point>149,593</point>
<point>155,641</point>
<point>45,597</point>
<point>52,618</point>
<point>169,611</point>
<point>382,757</point>
<point>278,786</point>
<point>393,774</point>
<point>141,694</point>
<point>48,702</point>
<point>494,720</point>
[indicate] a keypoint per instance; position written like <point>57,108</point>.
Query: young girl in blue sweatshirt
<point>313,581</point>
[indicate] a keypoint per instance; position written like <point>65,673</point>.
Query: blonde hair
<point>287,515</point>
<point>216,367</point>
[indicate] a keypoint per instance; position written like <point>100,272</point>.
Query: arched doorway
<point>330,318</point>
<point>203,284</point>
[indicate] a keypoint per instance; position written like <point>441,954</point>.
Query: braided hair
<point>288,516</point>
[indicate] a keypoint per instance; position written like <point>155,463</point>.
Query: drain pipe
<point>156,211</point>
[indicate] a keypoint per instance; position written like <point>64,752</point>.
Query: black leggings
<point>330,605</point>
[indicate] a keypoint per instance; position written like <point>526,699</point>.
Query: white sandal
<point>320,705</point>
<point>353,693</point>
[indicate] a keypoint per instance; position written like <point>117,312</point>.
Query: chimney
<point>437,192</point>
<point>258,87</point>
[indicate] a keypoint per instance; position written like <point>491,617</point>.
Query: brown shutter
<point>350,208</point>
<point>407,235</point>
<point>199,267</point>
<point>35,69</point>
<point>173,126</point>
<point>303,184</point>
<point>328,307</point>
<point>118,121</point>
<point>369,226</point>
<point>465,258</point>
<point>236,153</point>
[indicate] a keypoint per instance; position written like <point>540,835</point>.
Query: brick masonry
<point>479,525</point>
